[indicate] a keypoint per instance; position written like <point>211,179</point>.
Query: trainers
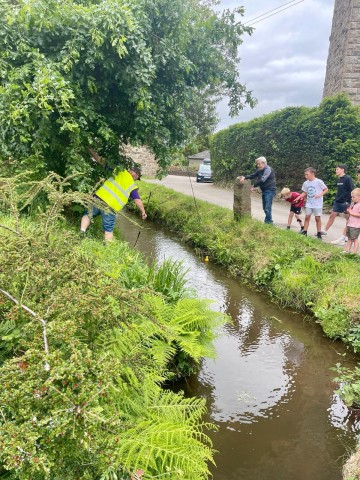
<point>344,251</point>
<point>303,232</point>
<point>319,236</point>
<point>323,233</point>
<point>340,241</point>
<point>288,228</point>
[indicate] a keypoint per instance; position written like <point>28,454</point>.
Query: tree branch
<point>41,320</point>
<point>11,230</point>
<point>96,156</point>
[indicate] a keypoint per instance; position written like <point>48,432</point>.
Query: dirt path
<point>224,198</point>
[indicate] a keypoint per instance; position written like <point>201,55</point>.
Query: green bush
<point>335,320</point>
<point>349,380</point>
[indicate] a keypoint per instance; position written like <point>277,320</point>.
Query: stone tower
<point>343,63</point>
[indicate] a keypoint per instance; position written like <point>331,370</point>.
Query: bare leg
<point>348,246</point>
<point>356,245</point>
<point>298,218</point>
<point>332,217</point>
<point>85,222</point>
<point>306,223</point>
<point>318,223</point>
<point>291,214</point>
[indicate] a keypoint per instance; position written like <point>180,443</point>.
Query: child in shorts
<point>295,207</point>
<point>313,189</point>
<point>353,223</point>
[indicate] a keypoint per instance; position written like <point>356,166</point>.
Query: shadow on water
<point>270,389</point>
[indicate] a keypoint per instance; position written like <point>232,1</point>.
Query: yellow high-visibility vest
<point>115,192</point>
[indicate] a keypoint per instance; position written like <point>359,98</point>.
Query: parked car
<point>204,173</point>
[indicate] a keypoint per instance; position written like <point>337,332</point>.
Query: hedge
<point>292,139</point>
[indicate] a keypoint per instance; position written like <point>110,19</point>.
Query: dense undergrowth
<point>88,336</point>
<point>296,271</point>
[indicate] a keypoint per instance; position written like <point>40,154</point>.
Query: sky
<point>284,61</point>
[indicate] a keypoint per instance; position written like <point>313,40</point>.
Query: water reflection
<point>270,388</point>
<point>343,417</point>
<point>240,394</point>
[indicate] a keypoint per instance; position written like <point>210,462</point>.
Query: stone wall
<point>343,64</point>
<point>143,157</point>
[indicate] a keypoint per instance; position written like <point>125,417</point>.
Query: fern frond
<point>162,447</point>
<point>190,322</point>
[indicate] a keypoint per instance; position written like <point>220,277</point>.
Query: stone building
<point>343,63</point>
<point>195,160</point>
<point>143,157</point>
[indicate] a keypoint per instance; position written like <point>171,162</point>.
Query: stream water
<point>270,389</point>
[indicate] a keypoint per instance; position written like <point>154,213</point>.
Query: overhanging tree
<point>92,73</point>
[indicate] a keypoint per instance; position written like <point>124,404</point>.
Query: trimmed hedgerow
<point>295,138</point>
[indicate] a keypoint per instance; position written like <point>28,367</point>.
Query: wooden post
<point>242,200</point>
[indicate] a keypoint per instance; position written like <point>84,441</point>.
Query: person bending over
<point>114,194</point>
<point>295,207</point>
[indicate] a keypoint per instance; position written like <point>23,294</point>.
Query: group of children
<point>347,201</point>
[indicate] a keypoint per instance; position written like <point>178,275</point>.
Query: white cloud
<point>295,62</point>
<point>284,61</point>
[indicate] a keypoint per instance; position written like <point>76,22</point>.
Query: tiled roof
<point>204,154</point>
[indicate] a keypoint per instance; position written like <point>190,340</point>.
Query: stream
<point>270,390</point>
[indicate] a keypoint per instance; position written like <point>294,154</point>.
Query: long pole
<point>138,235</point>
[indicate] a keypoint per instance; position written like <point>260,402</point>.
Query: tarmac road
<point>225,198</point>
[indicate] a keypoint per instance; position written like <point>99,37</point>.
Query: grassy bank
<point>298,272</point>
<point>82,375</point>
<point>89,335</point>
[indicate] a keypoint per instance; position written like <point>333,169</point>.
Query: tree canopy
<point>95,73</point>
